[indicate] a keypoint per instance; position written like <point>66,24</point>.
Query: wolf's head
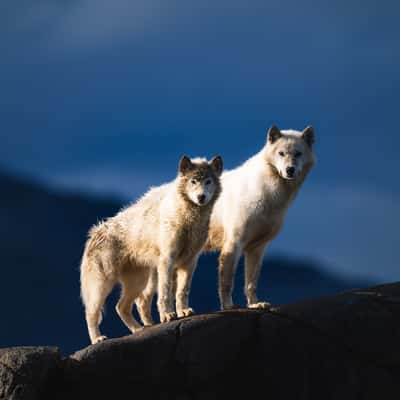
<point>199,179</point>
<point>289,151</point>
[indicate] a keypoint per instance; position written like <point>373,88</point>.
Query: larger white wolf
<point>251,208</point>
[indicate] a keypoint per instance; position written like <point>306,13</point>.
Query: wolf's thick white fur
<point>151,245</point>
<point>251,209</point>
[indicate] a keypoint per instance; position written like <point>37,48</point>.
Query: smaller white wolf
<point>154,242</point>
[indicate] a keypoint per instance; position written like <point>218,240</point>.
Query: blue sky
<point>106,96</point>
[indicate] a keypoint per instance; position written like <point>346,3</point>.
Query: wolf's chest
<point>192,240</point>
<point>261,224</point>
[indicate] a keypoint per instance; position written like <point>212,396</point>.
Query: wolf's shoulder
<point>156,193</point>
<point>248,167</point>
<point>152,199</point>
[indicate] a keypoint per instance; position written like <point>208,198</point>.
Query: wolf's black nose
<point>290,171</point>
<point>201,198</point>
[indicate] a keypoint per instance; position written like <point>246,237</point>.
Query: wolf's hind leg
<point>253,264</point>
<point>133,280</point>
<point>145,299</point>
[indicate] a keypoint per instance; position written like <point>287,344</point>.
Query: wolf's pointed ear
<point>185,165</point>
<point>308,135</point>
<point>273,134</point>
<point>217,165</point>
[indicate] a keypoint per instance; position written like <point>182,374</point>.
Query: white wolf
<point>252,206</point>
<point>160,235</point>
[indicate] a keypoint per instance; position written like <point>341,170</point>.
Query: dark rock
<point>25,372</point>
<point>341,347</point>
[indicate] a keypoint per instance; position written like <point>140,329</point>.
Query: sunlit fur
<point>149,243</point>
<point>251,209</point>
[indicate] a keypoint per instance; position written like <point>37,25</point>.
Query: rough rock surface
<point>341,347</point>
<point>26,372</point>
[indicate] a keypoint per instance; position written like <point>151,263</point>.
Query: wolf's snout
<point>201,198</point>
<point>290,171</point>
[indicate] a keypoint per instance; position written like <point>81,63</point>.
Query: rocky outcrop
<point>26,372</point>
<point>341,347</point>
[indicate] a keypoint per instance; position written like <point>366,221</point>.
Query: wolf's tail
<point>92,272</point>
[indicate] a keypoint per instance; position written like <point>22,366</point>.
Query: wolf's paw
<point>137,329</point>
<point>260,304</point>
<point>169,316</point>
<point>99,339</point>
<point>185,312</point>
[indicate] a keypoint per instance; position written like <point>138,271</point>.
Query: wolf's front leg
<point>165,301</point>
<point>253,264</point>
<point>184,275</point>
<point>228,261</point>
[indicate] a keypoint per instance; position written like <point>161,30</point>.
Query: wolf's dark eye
<point>208,181</point>
<point>193,181</point>
<point>281,153</point>
<point>298,154</point>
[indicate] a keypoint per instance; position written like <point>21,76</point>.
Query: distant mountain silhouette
<point>42,234</point>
